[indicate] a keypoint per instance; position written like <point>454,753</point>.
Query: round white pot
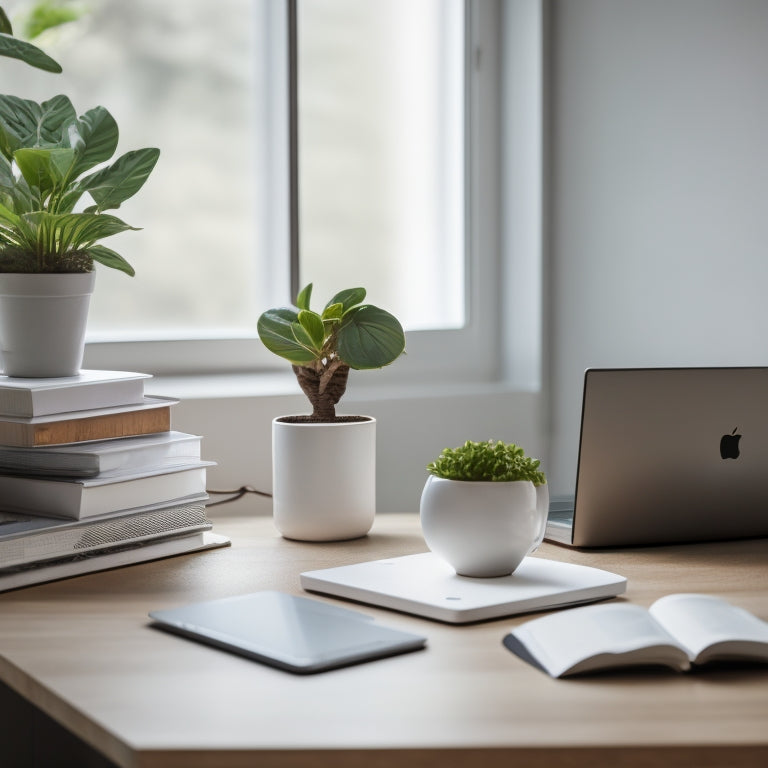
<point>324,478</point>
<point>42,323</point>
<point>483,529</point>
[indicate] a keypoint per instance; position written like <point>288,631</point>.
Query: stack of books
<point>92,476</point>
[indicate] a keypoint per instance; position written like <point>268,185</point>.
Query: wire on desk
<point>237,493</point>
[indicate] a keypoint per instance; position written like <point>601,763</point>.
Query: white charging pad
<point>427,586</point>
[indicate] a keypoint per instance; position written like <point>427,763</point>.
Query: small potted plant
<point>484,507</point>
<point>324,463</point>
<point>51,161</point>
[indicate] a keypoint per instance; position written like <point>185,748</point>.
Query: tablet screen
<point>294,633</point>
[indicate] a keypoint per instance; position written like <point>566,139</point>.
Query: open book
<point>676,631</point>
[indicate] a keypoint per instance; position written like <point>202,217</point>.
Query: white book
<point>31,539</point>
<point>136,553</point>
<point>89,497</point>
<point>86,391</point>
<point>677,631</point>
<point>102,457</point>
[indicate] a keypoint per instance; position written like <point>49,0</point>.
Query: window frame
<point>469,354</point>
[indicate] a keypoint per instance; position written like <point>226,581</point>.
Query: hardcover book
<point>150,416</point>
<point>89,497</point>
<point>102,457</point>
<point>88,390</point>
<point>29,539</point>
<point>114,557</point>
<point>677,631</point>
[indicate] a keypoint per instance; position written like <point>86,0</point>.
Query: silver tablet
<point>298,634</point>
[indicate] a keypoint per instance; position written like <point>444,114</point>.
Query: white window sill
<point>234,413</point>
<point>277,384</point>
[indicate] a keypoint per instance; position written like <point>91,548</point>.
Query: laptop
<point>668,455</point>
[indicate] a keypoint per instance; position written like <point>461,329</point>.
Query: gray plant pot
<point>42,323</point>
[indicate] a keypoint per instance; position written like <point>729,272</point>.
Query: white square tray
<point>427,586</point>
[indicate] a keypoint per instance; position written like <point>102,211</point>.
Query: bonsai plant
<point>484,507</point>
<point>322,347</point>
<point>323,464</point>
<point>50,161</point>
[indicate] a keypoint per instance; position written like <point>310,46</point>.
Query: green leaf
<point>5,24</point>
<point>30,54</point>
<point>22,198</point>
<point>333,312</point>
<point>370,337</point>
<point>44,168</point>
<point>94,137</point>
<point>348,298</point>
<point>7,216</point>
<point>312,323</point>
<point>302,300</point>
<point>25,123</point>
<point>111,186</point>
<point>47,15</point>
<point>277,331</point>
<point>7,179</point>
<point>60,233</point>
<point>110,258</point>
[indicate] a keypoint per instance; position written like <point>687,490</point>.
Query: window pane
<point>184,76</point>
<point>381,154</point>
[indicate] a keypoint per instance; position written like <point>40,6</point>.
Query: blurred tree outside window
<point>381,155</point>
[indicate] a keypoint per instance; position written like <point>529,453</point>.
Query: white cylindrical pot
<point>324,478</point>
<point>42,323</point>
<point>482,529</point>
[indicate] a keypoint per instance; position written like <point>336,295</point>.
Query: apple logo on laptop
<point>729,445</point>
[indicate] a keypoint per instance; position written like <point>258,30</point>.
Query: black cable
<point>237,493</point>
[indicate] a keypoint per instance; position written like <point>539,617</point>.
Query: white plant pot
<point>483,529</point>
<point>42,323</point>
<point>324,479</point>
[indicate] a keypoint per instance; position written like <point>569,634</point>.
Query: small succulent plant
<point>487,461</point>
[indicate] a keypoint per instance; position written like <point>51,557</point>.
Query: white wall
<point>658,204</point>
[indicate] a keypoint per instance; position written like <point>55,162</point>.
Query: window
<point>381,153</point>
<point>388,193</point>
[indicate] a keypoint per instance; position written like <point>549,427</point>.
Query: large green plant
<point>46,154</point>
<point>323,346</point>
<point>487,461</point>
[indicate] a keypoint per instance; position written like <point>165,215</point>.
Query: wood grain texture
<point>82,651</point>
<point>77,430</point>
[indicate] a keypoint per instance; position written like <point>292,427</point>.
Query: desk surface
<point>81,650</point>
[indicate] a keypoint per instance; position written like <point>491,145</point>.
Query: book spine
<point>99,534</point>
<point>100,427</point>
<point>15,403</point>
<point>112,558</point>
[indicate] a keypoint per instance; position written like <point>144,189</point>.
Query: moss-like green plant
<point>487,461</point>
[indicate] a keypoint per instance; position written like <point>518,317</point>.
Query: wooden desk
<point>81,651</point>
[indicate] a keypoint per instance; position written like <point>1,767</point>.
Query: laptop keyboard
<point>561,512</point>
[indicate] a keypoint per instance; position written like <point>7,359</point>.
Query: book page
<point>712,628</point>
<point>596,637</point>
